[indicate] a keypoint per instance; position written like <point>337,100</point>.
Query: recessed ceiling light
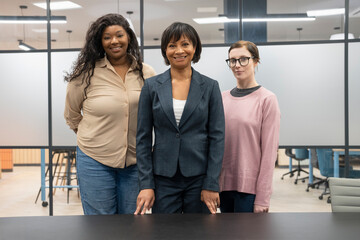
<point>214,20</point>
<point>224,19</point>
<point>285,19</point>
<point>326,12</point>
<point>53,30</point>
<point>206,9</point>
<point>58,5</point>
<point>31,19</point>
<point>25,46</point>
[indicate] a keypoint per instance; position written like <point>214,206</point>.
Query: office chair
<point>326,166</point>
<point>345,194</point>
<point>300,154</point>
<point>315,164</point>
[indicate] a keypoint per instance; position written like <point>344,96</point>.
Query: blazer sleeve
<point>144,140</point>
<point>216,137</point>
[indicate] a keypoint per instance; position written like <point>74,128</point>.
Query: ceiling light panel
<point>212,20</point>
<point>206,9</point>
<point>58,5</point>
<point>326,12</point>
<point>53,30</point>
<point>31,19</point>
<point>268,19</point>
<point>278,19</point>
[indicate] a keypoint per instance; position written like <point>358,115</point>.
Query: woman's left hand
<point>260,209</point>
<point>211,199</point>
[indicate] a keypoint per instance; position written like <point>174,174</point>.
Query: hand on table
<point>145,201</point>
<point>260,209</point>
<point>211,199</point>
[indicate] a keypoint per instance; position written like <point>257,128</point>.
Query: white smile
<point>183,57</point>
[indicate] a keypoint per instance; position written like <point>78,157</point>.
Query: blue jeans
<point>233,201</point>
<point>106,190</point>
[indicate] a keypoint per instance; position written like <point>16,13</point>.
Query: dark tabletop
<point>277,226</point>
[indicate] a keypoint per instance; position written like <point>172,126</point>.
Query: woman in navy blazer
<point>180,172</point>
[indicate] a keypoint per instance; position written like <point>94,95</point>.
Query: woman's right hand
<point>145,201</point>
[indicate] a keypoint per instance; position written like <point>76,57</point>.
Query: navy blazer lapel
<point>165,96</point>
<point>196,92</point>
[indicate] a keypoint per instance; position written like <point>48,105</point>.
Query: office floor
<point>18,191</point>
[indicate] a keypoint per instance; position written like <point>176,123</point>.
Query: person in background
<point>180,173</point>
<point>101,107</point>
<point>252,124</point>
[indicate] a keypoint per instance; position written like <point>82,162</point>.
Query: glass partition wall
<point>306,60</point>
<point>217,21</point>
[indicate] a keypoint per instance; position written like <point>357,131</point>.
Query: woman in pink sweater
<point>252,124</point>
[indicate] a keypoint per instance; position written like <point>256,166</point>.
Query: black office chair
<point>315,164</point>
<point>300,155</point>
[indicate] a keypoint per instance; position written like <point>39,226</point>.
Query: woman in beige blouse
<point>101,107</point>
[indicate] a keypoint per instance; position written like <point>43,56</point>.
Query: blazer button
<point>177,135</point>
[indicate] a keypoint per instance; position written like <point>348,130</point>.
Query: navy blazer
<point>196,145</point>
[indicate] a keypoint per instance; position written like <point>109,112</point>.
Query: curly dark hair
<point>93,49</point>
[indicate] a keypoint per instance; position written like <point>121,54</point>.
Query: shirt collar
<point>104,62</point>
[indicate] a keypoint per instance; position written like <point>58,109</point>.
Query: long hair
<point>93,49</point>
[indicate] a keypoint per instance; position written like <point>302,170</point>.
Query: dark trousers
<point>178,194</point>
<point>233,201</point>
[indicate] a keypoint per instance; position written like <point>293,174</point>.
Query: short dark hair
<point>174,32</point>
<point>250,46</point>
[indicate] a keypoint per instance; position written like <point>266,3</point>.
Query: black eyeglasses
<point>243,61</point>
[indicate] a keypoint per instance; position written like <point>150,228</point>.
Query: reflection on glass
<point>354,18</point>
<point>217,21</point>
<point>72,34</point>
<point>69,34</point>
<point>354,162</point>
<point>329,19</point>
<point>17,23</point>
<point>159,14</point>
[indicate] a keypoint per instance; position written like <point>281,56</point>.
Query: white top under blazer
<point>178,106</point>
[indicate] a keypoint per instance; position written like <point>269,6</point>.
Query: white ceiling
<point>160,13</point>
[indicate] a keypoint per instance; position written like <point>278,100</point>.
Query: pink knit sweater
<point>252,125</point>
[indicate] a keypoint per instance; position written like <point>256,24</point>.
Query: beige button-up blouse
<point>106,120</point>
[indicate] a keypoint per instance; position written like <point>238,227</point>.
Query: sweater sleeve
<point>269,144</point>
<point>73,104</point>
